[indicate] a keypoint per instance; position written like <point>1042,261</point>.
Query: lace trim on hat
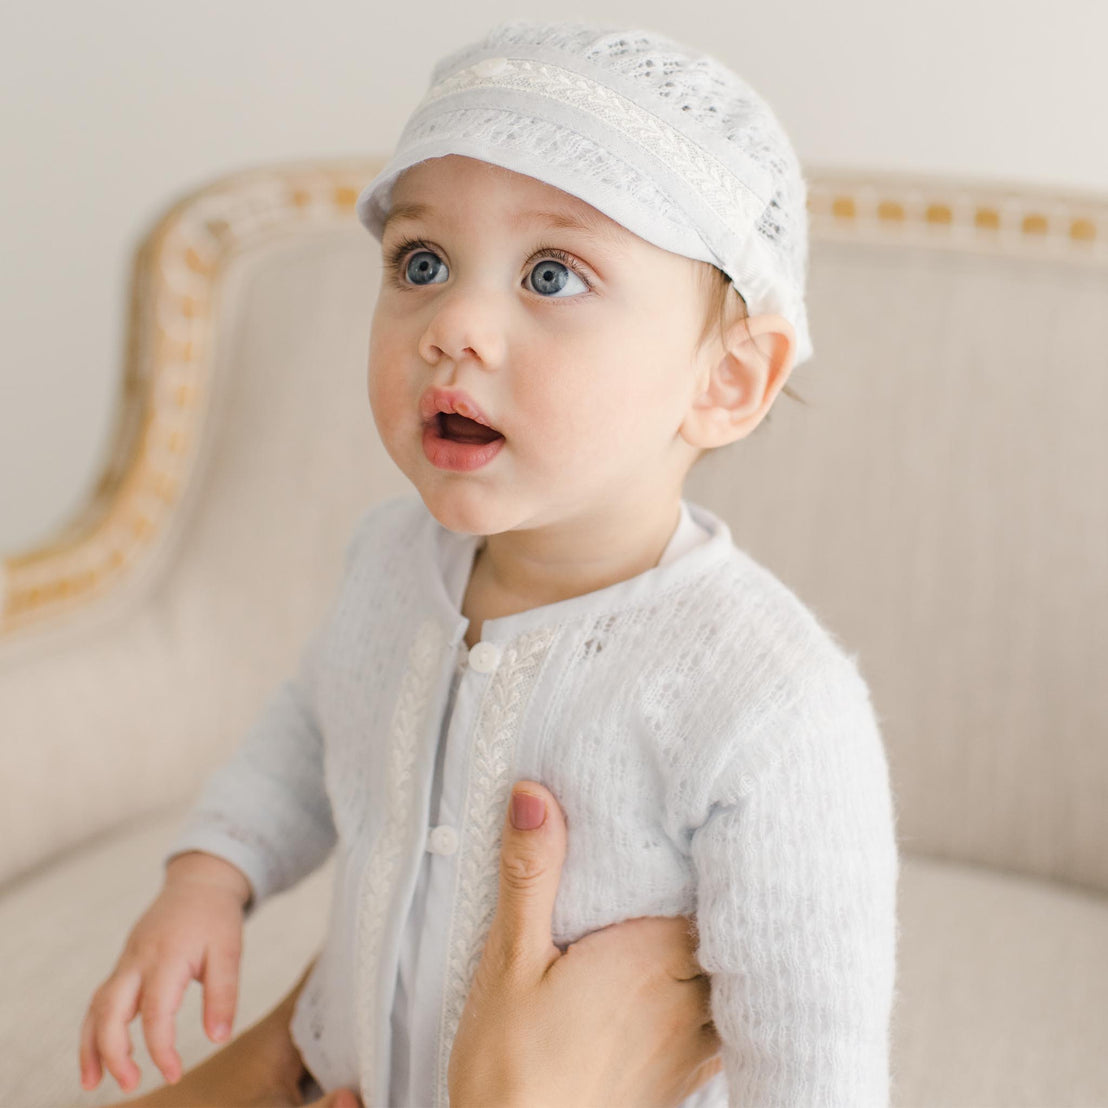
<point>553,144</point>
<point>720,189</point>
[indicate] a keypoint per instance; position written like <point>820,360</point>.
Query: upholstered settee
<point>940,499</point>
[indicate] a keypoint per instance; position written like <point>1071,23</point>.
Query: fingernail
<point>222,1030</point>
<point>528,811</point>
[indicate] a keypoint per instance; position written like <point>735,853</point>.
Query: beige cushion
<point>1000,994</point>
<point>1001,991</point>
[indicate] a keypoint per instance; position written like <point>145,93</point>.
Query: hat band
<point>726,195</point>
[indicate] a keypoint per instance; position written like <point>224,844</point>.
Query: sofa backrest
<point>940,501</point>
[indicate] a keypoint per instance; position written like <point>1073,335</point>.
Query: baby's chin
<point>471,511</point>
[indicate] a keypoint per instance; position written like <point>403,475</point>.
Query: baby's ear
<point>738,383</point>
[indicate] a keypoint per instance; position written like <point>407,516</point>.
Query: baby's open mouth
<point>459,428</point>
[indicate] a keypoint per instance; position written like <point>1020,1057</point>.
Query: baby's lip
<point>436,400</point>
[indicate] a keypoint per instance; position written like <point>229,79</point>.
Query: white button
<point>442,840</point>
<point>484,657</point>
<point>490,67</point>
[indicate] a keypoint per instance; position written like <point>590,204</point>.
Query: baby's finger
<point>221,975</point>
<point>161,997</point>
<point>88,1056</point>
<point>114,1009</point>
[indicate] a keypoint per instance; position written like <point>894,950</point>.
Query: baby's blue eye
<point>551,276</point>
<point>421,265</point>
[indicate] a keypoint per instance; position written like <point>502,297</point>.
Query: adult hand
<point>621,1017</point>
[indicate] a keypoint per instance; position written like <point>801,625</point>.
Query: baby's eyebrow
<point>606,233</point>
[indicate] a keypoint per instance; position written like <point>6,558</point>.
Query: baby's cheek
<point>387,398</point>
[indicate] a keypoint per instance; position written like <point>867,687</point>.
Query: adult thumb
<point>532,850</point>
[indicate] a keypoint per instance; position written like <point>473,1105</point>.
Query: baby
<point>594,248</point>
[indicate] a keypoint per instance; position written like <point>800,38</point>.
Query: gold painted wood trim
<point>176,279</point>
<point>970,216</point>
<point>175,283</point>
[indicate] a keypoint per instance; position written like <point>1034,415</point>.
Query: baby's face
<point>576,346</point>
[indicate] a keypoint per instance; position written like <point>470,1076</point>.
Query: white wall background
<point>111,109</point>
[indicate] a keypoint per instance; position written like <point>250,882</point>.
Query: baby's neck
<point>507,578</point>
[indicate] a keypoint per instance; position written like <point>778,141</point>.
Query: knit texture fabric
<point>666,140</point>
<point>408,1012</point>
<point>715,752</point>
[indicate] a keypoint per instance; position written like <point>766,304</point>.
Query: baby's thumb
<point>532,850</point>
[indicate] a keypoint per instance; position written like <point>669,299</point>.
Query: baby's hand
<point>192,930</point>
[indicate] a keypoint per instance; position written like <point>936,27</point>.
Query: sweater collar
<point>445,559</point>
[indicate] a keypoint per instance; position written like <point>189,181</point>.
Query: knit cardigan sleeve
<point>266,809</point>
<point>796,918</point>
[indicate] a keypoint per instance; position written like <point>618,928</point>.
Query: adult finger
<point>699,1000</point>
<point>685,965</point>
<point>161,997</point>
<point>650,945</point>
<point>531,857</point>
